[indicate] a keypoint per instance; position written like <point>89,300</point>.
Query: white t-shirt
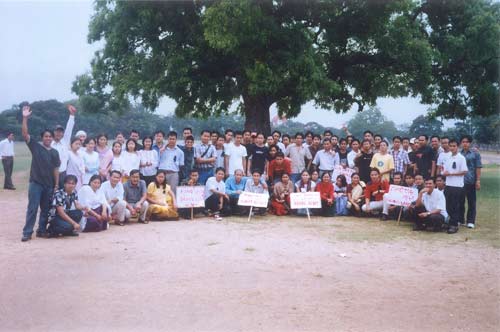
<point>213,184</point>
<point>460,166</point>
<point>443,156</point>
<point>236,155</point>
<point>434,201</point>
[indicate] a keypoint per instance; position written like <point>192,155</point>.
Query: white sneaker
<point>217,217</point>
<point>470,225</point>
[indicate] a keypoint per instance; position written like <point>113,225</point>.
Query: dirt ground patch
<point>272,274</point>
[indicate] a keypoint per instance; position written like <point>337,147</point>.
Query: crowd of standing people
<point>82,183</point>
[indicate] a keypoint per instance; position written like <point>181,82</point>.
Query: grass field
<point>355,229</point>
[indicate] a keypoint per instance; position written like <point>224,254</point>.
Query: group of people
<point>81,183</point>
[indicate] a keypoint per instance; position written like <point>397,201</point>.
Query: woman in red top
<point>374,192</point>
<point>325,188</point>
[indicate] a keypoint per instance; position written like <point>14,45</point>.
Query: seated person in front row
<point>355,194</point>
<point>340,188</point>
<point>135,196</point>
<point>281,195</point>
<point>235,184</point>
<point>113,192</point>
<point>374,193</point>
<point>191,181</point>
<point>216,199</point>
<point>388,209</point>
<point>255,185</point>
<point>304,185</point>
<point>327,194</point>
<point>66,211</point>
<point>162,205</point>
<point>430,208</point>
<point>96,217</point>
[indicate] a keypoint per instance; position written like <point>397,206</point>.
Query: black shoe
<point>10,188</point>
<point>73,234</point>
<point>44,235</point>
<point>26,238</point>
<point>384,217</point>
<point>418,227</point>
<point>452,230</point>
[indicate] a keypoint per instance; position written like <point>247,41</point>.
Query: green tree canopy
<point>206,55</point>
<point>373,120</point>
<point>425,125</point>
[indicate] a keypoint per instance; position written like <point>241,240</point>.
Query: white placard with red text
<point>401,196</point>
<point>189,197</point>
<point>253,199</point>
<point>308,200</point>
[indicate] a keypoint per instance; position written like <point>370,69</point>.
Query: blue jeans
<point>204,175</point>
<point>38,196</point>
<point>60,226</point>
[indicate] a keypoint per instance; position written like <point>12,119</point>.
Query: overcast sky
<point>44,47</point>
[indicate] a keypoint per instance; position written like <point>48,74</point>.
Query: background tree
<point>206,55</point>
<point>373,120</point>
<point>425,125</point>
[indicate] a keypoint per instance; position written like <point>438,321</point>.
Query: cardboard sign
<point>401,196</point>
<point>307,200</point>
<point>339,170</point>
<point>189,197</point>
<point>253,199</point>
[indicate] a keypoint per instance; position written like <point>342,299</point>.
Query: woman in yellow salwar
<point>162,204</point>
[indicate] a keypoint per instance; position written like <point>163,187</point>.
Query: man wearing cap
<point>61,142</point>
<point>7,155</point>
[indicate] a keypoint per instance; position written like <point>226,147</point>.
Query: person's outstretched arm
<point>24,129</point>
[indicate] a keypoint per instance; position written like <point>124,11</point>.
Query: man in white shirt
<point>454,169</point>
<point>235,155</point>
<point>7,155</point>
<point>61,142</point>
<point>297,154</point>
<point>355,144</point>
<point>326,159</point>
<point>114,193</point>
<point>430,208</point>
<point>444,155</point>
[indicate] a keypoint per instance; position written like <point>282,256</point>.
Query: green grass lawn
<point>371,230</point>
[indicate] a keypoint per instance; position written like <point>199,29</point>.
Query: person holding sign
<point>255,185</point>
<point>216,199</point>
<point>281,195</point>
<point>235,184</point>
<point>304,185</point>
<point>374,192</point>
<point>192,181</point>
<point>325,188</point>
<point>162,204</point>
<point>430,208</point>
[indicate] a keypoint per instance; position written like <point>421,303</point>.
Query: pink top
<point>105,158</point>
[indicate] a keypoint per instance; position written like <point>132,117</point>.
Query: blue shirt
<point>473,160</point>
<point>232,187</point>
<point>171,159</point>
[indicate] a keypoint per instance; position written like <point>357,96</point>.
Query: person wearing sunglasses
<point>454,169</point>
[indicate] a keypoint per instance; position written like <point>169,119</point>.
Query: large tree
<point>206,55</point>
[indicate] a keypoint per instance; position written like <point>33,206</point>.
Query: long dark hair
<point>160,185</point>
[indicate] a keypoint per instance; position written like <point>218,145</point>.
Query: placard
<point>253,199</point>
<point>190,196</point>
<point>339,170</point>
<point>307,200</point>
<point>401,196</point>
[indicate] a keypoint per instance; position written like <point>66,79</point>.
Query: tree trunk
<point>256,110</point>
